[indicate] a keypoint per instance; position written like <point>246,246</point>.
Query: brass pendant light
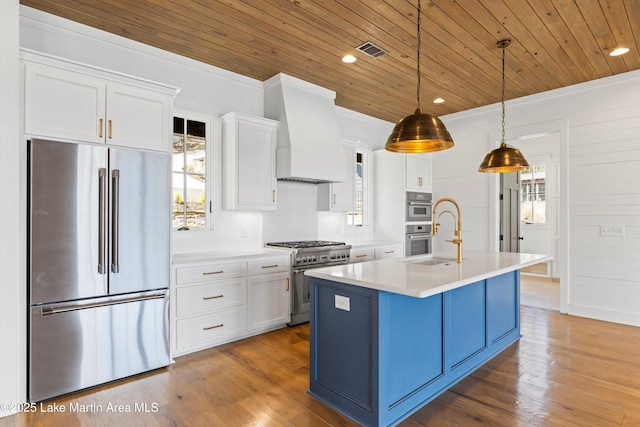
<point>419,132</point>
<point>504,158</point>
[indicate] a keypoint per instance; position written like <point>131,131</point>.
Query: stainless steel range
<point>306,255</point>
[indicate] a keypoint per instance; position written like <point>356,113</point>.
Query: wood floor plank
<point>565,371</point>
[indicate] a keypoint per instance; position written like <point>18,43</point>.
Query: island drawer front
<point>210,327</point>
<point>211,296</point>
<point>268,265</point>
<point>209,272</point>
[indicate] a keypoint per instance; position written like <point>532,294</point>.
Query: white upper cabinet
<point>249,162</point>
<point>138,118</point>
<point>74,103</point>
<point>418,173</point>
<point>340,196</point>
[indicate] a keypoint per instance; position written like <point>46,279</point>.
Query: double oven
<point>418,238</point>
<point>306,255</point>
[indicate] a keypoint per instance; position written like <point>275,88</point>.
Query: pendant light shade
<point>504,158</point>
<point>419,132</point>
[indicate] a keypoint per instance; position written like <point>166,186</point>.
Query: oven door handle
<point>420,204</point>
<point>419,236</point>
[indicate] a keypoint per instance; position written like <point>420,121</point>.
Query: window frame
<point>547,202</point>
<point>211,179</point>
<point>367,156</point>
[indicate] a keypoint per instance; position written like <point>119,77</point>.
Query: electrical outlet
<point>612,230</point>
<point>343,303</point>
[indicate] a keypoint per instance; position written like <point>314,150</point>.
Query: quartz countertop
<point>413,276</point>
<point>224,256</point>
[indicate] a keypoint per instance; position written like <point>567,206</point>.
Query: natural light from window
<point>189,202</point>
<point>532,195</point>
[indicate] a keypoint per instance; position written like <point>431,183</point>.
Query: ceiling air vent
<point>371,49</point>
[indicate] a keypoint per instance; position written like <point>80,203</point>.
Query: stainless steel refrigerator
<point>99,224</point>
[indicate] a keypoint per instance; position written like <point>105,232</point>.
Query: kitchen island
<point>389,336</point>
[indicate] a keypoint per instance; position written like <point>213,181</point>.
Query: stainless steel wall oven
<point>418,206</point>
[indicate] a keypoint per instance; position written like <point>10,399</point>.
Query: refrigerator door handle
<point>115,210</point>
<point>102,194</point>
<point>46,311</point>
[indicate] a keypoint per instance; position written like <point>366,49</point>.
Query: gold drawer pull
<point>110,129</point>
<point>101,124</point>
<point>389,252</point>
<point>270,266</point>
<point>214,297</point>
<point>207,273</point>
<point>361,256</point>
<point>206,328</point>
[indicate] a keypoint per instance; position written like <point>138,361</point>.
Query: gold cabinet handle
<point>420,181</point>
<point>334,198</point>
<point>101,124</point>
<point>207,273</point>
<point>110,129</point>
<point>389,252</point>
<point>213,297</point>
<point>206,328</point>
<point>270,266</point>
<point>362,256</point>
<point>273,196</point>
<point>287,283</point>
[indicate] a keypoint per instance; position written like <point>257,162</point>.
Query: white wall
<point>12,306</point>
<point>599,184</point>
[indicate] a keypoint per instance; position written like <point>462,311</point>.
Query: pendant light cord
<point>503,85</point>
<point>418,59</point>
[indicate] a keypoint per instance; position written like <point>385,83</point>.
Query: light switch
<point>343,303</point>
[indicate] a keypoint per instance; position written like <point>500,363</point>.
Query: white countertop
<point>407,276</point>
<point>227,255</point>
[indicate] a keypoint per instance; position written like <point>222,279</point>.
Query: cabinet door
<point>138,118</point>
<point>269,300</point>
<point>256,147</point>
<point>340,196</point>
<point>63,104</point>
<point>418,173</point>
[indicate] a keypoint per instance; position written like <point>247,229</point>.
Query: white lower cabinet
<point>375,251</point>
<point>361,255</point>
<point>215,303</point>
<point>269,301</point>
<point>388,251</point>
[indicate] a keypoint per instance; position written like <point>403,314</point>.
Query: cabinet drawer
<point>361,255</point>
<point>210,272</point>
<point>268,265</point>
<point>209,328</point>
<point>393,251</point>
<point>212,296</point>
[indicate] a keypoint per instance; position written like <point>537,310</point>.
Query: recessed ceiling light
<point>619,51</point>
<point>438,101</point>
<point>349,59</point>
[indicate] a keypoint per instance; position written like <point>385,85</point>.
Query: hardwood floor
<point>565,371</point>
<point>540,292</point>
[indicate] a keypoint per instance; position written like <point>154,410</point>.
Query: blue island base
<point>377,357</point>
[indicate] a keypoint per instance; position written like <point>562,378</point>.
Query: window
<point>188,210</point>
<point>532,195</point>
<point>356,218</point>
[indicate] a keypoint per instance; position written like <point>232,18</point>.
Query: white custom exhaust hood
<point>309,143</point>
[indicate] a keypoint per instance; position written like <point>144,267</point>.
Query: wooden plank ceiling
<point>555,43</point>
